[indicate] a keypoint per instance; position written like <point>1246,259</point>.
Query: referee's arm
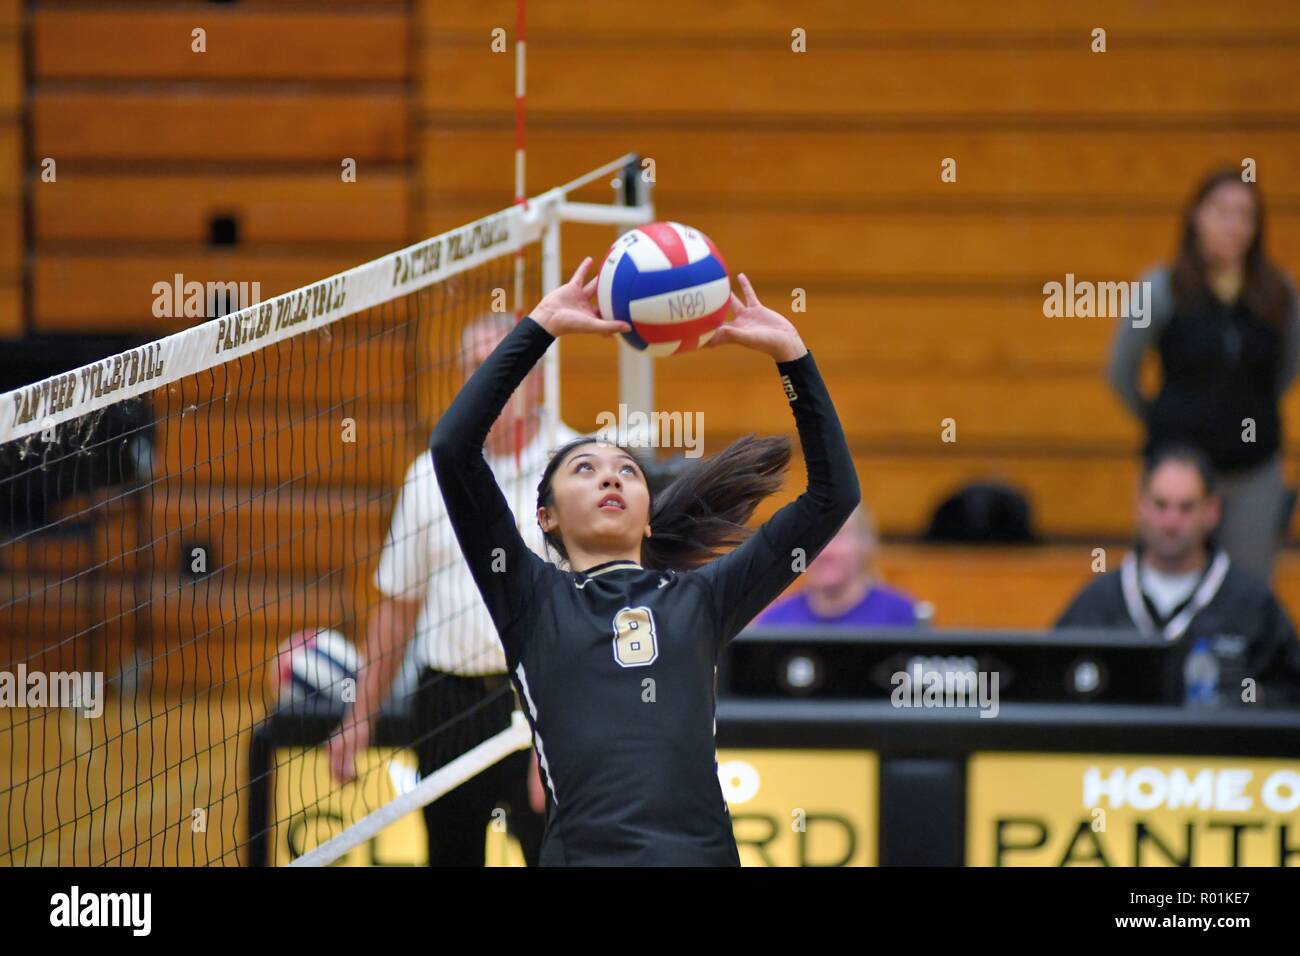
<point>410,550</point>
<point>388,631</point>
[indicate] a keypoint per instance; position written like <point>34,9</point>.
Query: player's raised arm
<point>502,564</point>
<point>753,575</point>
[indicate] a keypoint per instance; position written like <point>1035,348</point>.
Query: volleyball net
<point>189,538</point>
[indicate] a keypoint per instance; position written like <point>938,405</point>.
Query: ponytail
<point>704,510</point>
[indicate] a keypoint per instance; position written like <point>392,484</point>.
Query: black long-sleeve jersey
<point>616,665</point>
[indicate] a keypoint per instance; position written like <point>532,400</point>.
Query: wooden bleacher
<point>154,141</point>
<point>12,165</point>
<point>367,41</point>
<point>683,20</point>
<point>817,171</point>
<point>1020,587</point>
<point>283,208</point>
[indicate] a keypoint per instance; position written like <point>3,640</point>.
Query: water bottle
<point>1201,676</point>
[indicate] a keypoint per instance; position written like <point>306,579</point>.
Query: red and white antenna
<point>521,199</point>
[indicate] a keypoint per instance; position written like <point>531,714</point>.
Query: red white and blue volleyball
<point>670,283</point>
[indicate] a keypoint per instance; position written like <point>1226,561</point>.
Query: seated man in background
<point>1180,585</point>
<point>841,587</point>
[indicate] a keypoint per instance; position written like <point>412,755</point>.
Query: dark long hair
<point>1264,291</point>
<point>703,510</point>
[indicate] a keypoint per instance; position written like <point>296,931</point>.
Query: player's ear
<point>647,531</point>
<point>545,520</point>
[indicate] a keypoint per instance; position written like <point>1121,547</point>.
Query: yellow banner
<point>802,807</point>
<point>308,808</point>
<point>1082,810</point>
<point>788,808</point>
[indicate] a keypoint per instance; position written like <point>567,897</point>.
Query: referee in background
<point>463,695</point>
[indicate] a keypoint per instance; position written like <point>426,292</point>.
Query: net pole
<point>521,193</point>
<point>636,371</point>
<point>521,47</point>
<point>521,199</point>
<point>551,278</point>
<point>600,172</point>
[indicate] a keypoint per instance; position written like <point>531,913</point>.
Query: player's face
<point>602,502</point>
<point>1175,514</point>
<point>1225,223</point>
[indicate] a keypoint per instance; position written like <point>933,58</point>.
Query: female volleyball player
<point>615,659</point>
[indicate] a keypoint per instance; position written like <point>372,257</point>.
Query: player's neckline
<point>618,564</point>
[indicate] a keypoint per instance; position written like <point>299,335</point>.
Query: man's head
<point>478,338</point>
<point>848,558</point>
<point>1177,507</point>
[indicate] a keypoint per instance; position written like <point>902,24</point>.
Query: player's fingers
<point>589,289</point>
<point>736,305</point>
<point>589,322</point>
<point>579,314</point>
<point>580,277</point>
<point>338,764</point>
<point>750,297</point>
<point>721,336</point>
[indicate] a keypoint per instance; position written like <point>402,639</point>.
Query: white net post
<point>551,278</point>
<point>636,372</point>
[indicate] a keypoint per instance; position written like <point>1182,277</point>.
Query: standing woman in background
<point>1224,321</point>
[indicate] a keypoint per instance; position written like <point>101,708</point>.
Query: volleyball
<point>669,282</point>
<point>314,664</point>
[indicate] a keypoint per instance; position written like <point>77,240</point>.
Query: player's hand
<point>348,740</point>
<point>757,327</point>
<point>568,308</point>
<point>536,790</point>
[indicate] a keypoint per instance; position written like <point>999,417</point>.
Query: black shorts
<point>453,714</point>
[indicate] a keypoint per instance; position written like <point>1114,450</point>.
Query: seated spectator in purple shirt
<point>841,588</point>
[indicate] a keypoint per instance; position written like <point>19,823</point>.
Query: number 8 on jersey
<point>635,644</point>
